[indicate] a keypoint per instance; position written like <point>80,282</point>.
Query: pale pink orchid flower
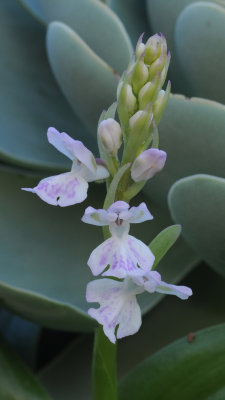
<point>122,253</point>
<point>71,187</point>
<point>118,304</point>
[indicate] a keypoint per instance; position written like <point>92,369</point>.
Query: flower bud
<point>140,48</point>
<point>110,135</point>
<point>139,75</point>
<point>160,103</point>
<point>127,103</point>
<point>147,164</point>
<point>154,47</point>
<point>149,91</point>
<point>165,69</point>
<point>140,119</point>
<point>128,98</point>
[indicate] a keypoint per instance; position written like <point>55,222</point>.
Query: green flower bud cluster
<point>141,99</point>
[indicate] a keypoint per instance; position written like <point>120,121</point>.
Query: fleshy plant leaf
<point>203,198</point>
<point>75,65</point>
<point>196,126</point>
<point>30,99</point>
<point>202,60</point>
<point>101,27</point>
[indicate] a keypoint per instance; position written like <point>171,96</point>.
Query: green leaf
<point>192,133</point>
<point>50,246</point>
<point>197,203</point>
<point>88,83</point>
<point>163,241</point>
<point>94,22</point>
<point>193,369</point>
<point>201,50</point>
<point>104,368</point>
<point>16,381</point>
<point>30,100</point>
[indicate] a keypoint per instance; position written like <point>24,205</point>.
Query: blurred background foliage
<point>60,65</point>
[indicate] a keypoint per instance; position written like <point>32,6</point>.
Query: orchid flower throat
<point>119,227</point>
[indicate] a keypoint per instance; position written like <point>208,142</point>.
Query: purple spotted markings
<point>71,187</point>
<point>130,261</point>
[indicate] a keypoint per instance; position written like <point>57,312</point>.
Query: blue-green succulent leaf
<point>192,133</point>
<point>197,203</point>
<point>34,7</point>
<point>94,22</point>
<point>88,83</point>
<point>162,16</point>
<point>30,100</point>
<point>201,49</point>
<point>133,15</point>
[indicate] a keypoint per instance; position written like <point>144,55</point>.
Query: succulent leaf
<point>133,16</point>
<point>101,30</point>
<point>191,133</point>
<point>30,100</point>
<point>201,49</point>
<point>88,83</point>
<point>203,198</point>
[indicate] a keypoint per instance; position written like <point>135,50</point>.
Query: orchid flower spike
<point>123,253</point>
<point>71,187</point>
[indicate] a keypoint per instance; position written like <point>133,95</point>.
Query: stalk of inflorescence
<point>140,103</point>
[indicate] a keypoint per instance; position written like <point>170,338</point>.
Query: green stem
<point>104,368</point>
<point>104,375</point>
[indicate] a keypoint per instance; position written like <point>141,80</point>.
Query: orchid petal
<point>74,149</point>
<point>183,292</point>
<point>148,280</point>
<point>141,253</point>
<point>129,319</point>
<point>151,281</point>
<point>137,214</point>
<point>56,139</point>
<point>101,173</point>
<point>123,255</point>
<point>98,217</point>
<point>80,152</point>
<point>101,256</point>
<point>118,207</point>
<point>63,190</point>
<point>118,305</point>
